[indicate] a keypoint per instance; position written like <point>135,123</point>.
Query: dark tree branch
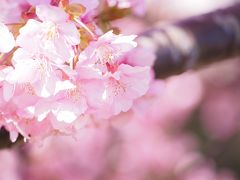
<point>196,41</point>
<point>5,141</point>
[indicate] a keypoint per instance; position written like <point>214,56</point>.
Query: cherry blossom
<point>57,79</point>
<point>54,35</point>
<point>124,86</point>
<point>105,54</point>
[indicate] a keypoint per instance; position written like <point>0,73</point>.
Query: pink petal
<point>7,41</point>
<point>8,91</point>
<point>51,13</point>
<point>38,2</point>
<point>70,33</point>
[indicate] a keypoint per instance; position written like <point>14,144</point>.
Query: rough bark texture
<point>196,41</point>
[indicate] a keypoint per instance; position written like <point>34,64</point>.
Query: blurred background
<point>187,127</point>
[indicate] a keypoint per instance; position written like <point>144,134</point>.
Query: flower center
<point>50,30</point>
<point>74,95</point>
<point>117,87</point>
<point>105,55</point>
<point>28,89</point>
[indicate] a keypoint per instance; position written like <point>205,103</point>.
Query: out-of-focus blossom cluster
<point>133,145</point>
<point>62,66</point>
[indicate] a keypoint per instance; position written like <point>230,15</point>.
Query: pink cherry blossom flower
<point>124,86</point>
<point>73,101</point>
<point>54,35</point>
<point>35,71</point>
<point>69,105</point>
<point>106,53</point>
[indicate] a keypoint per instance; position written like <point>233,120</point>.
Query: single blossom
<point>34,71</point>
<point>54,35</point>
<point>105,54</point>
<point>123,87</point>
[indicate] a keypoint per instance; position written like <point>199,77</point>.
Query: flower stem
<point>86,28</point>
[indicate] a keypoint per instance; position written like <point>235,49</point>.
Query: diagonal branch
<point>196,41</point>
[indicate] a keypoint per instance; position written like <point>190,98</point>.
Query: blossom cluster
<point>146,142</point>
<point>60,69</point>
